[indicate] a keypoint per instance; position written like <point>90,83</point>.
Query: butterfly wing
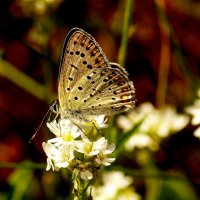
<point>108,91</point>
<point>81,55</point>
<point>88,83</point>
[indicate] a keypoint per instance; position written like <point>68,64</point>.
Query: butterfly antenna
<point>39,125</point>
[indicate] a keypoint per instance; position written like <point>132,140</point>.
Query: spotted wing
<point>104,91</point>
<point>81,55</point>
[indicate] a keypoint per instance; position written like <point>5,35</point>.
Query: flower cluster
<point>115,186</point>
<point>75,149</point>
<point>156,124</point>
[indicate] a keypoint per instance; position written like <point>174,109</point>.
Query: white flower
<point>170,121</point>
<point>102,158</point>
<point>155,124</point>
<point>60,127</point>
<point>161,122</point>
<point>90,148</point>
<point>115,186</point>
<point>99,121</point>
<point>64,130</point>
<point>64,150</point>
<point>58,156</point>
<point>194,110</point>
<point>127,121</point>
<point>51,152</point>
<point>139,140</point>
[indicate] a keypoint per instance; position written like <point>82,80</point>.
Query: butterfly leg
<point>98,131</point>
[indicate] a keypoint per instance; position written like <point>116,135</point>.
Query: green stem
<point>80,193</point>
<point>125,32</point>
<point>22,80</point>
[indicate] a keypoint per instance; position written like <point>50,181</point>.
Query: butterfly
<point>89,84</point>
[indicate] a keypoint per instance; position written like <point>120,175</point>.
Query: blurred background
<point>162,58</point>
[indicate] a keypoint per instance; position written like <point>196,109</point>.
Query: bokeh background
<point>162,59</point>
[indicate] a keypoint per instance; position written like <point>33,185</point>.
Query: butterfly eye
<point>55,106</point>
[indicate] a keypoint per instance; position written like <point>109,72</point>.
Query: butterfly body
<point>88,83</point>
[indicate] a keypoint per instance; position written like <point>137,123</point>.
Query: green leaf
<point>19,181</point>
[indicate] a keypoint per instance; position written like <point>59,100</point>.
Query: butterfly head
<point>55,107</point>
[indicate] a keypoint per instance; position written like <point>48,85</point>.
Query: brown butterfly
<point>88,83</point>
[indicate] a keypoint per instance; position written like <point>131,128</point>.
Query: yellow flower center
<point>67,137</point>
<point>88,148</point>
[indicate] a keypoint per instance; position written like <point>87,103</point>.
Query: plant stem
<point>164,54</point>
<point>22,80</point>
<point>80,189</point>
<point>125,32</point>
